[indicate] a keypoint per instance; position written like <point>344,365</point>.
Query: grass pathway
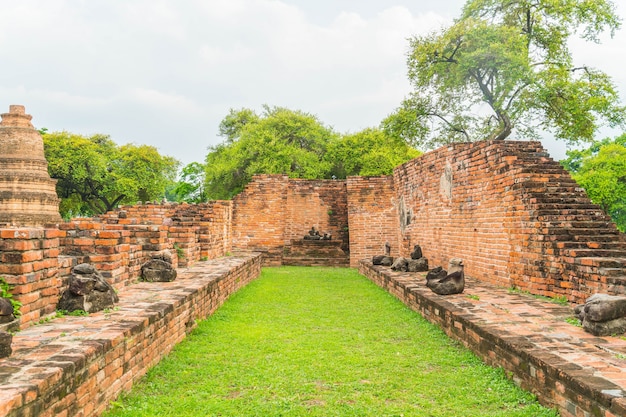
<point>321,342</point>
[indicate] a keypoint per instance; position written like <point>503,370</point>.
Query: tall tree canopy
<point>94,174</point>
<point>505,66</point>
<point>601,171</point>
<point>283,141</point>
<point>367,153</point>
<point>280,141</point>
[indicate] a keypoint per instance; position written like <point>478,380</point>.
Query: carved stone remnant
<point>88,291</point>
<point>6,311</point>
<point>315,234</point>
<point>444,282</point>
<point>159,268</point>
<point>6,339</point>
<point>603,314</point>
<point>417,252</point>
<point>384,260</point>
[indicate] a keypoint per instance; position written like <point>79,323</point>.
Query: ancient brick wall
<point>321,204</point>
<point>274,211</point>
<point>372,217</point>
<point>94,359</point>
<point>515,217</point>
<point>258,221</point>
<point>30,264</point>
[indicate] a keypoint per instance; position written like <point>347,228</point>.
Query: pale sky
<point>166,72</point>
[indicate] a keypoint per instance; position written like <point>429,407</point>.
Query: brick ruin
<point>513,214</point>
<point>27,193</point>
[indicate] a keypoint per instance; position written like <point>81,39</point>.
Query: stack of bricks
<point>372,216</point>
<point>214,228</point>
<point>106,247</point>
<point>570,247</point>
<point>30,264</point>
<point>514,215</point>
<point>321,204</point>
<point>259,217</point>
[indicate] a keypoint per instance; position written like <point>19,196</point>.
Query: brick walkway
<point>72,366</point>
<point>567,368</point>
<point>492,316</point>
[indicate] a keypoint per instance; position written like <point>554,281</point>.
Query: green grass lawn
<point>321,342</point>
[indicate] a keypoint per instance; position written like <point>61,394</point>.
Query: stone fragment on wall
<point>88,291</point>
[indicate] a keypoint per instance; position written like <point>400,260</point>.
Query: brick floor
<point>529,337</point>
<point>566,367</point>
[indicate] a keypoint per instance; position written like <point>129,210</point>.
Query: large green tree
<point>279,141</point>
<point>190,186</point>
<point>505,66</point>
<point>94,174</point>
<point>601,170</point>
<point>367,153</point>
<point>283,141</point>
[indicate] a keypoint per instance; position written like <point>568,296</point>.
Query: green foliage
<point>94,174</point>
<point>601,170</point>
<point>297,144</point>
<point>307,341</point>
<point>505,66</point>
<point>74,313</point>
<point>190,186</point>
<point>281,141</point>
<point>573,321</point>
<point>5,292</point>
<point>368,153</point>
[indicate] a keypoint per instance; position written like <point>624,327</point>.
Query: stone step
<point>611,245</point>
<point>602,262</point>
<point>595,253</point>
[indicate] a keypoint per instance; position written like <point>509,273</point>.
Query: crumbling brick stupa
<point>27,193</point>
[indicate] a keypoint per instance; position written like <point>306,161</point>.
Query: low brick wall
<point>574,372</point>
<point>76,365</point>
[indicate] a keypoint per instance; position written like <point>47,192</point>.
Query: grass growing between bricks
<point>321,342</point>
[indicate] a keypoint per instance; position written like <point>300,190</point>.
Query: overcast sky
<point>166,72</point>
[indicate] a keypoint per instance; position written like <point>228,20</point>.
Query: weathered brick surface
<point>372,217</point>
<point>29,261</point>
<point>76,365</point>
<point>514,215</point>
<point>567,368</point>
<point>273,211</point>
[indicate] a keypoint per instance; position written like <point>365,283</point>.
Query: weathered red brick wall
<point>258,221</point>
<point>322,204</point>
<point>274,210</point>
<point>372,217</point>
<point>30,263</point>
<point>512,213</point>
<point>78,375</point>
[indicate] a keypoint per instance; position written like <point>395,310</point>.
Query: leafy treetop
<point>505,66</point>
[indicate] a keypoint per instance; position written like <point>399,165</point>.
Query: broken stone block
<point>603,314</point>
<point>6,311</point>
<point>444,282</point>
<point>157,270</point>
<point>400,265</point>
<point>417,265</point>
<point>383,260</point>
<point>5,344</point>
<point>87,291</point>
<point>417,252</point>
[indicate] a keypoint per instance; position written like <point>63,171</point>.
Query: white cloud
<point>165,72</point>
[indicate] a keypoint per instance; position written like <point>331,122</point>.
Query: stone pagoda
<point>27,193</point>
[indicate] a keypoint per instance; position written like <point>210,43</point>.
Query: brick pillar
<point>30,263</point>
